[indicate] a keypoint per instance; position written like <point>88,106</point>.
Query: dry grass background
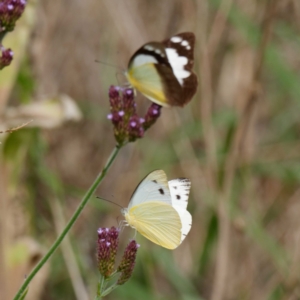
<point>238,142</point>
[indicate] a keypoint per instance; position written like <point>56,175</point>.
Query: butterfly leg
<point>134,234</point>
<point>122,224</point>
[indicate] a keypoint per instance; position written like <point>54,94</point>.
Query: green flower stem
<point>101,286</point>
<point>102,290</point>
<point>70,223</point>
<point>109,290</point>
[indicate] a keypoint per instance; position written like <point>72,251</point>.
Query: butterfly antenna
<point>110,201</point>
<point>108,64</point>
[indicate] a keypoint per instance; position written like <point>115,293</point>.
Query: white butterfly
<point>157,209</point>
<point>162,71</point>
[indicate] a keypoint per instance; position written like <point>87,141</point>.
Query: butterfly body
<point>158,213</point>
<point>162,71</point>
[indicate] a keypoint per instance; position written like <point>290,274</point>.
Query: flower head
<point>6,57</point>
<point>127,263</point>
<point>10,12</point>
<point>135,128</point>
<point>108,240</point>
<point>128,126</point>
<point>152,115</point>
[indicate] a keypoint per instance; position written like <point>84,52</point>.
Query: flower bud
<point>135,128</point>
<point>152,115</point>
<point>6,57</point>
<point>127,263</point>
<point>108,240</point>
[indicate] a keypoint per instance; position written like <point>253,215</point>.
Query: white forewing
<point>142,59</point>
<point>178,64</point>
<point>186,220</point>
<point>153,188</point>
<point>176,39</point>
<point>179,190</point>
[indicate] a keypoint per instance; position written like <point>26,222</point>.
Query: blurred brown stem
<point>16,128</point>
<point>218,27</point>
<point>207,99</point>
<point>234,154</point>
<point>4,238</point>
<point>67,252</point>
<point>207,49</point>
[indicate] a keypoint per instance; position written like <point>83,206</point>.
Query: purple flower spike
<point>10,12</point>
<point>114,99</point>
<point>108,240</point>
<point>116,118</point>
<point>127,263</point>
<point>152,115</point>
<point>128,102</point>
<point>128,126</point>
<point>107,246</point>
<point>6,57</point>
<point>135,129</point>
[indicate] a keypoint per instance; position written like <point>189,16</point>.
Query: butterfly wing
<point>154,187</point>
<point>185,220</point>
<point>158,222</point>
<point>157,209</point>
<point>147,81</point>
<point>180,53</point>
<point>180,190</point>
<point>150,72</point>
<point>163,71</point>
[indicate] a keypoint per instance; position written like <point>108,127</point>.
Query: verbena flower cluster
<point>108,241</point>
<point>128,126</point>
<point>10,12</point>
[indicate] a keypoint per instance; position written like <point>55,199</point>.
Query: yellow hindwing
<point>147,81</point>
<point>157,221</point>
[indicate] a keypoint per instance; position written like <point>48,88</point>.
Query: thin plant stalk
<point>75,216</point>
<point>68,252</point>
<point>239,142</point>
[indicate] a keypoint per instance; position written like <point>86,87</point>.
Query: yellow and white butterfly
<point>158,209</point>
<point>162,71</point>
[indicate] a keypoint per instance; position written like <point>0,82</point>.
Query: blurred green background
<point>238,141</point>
